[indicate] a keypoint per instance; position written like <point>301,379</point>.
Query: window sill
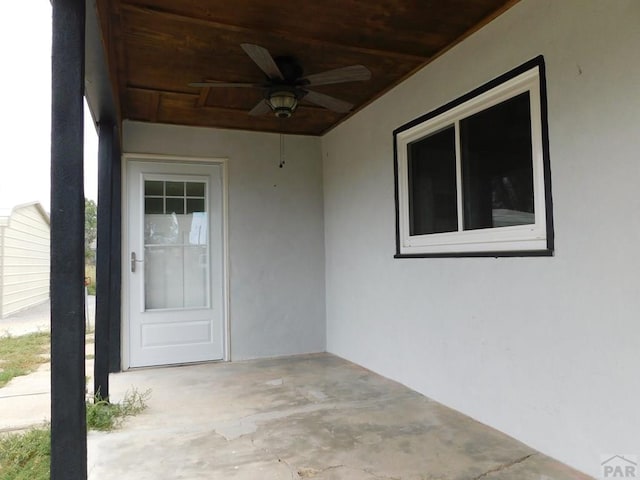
<point>496,254</point>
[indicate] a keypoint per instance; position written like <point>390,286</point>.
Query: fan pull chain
<point>281,150</point>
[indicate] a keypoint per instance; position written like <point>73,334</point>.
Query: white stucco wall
<point>276,246</point>
<point>544,349</point>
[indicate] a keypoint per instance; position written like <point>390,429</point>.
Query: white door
<point>176,263</point>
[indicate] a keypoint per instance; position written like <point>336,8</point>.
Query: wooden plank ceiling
<point>155,48</point>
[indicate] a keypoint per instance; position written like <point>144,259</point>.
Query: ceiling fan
<point>285,86</point>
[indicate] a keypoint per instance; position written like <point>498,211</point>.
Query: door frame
<point>152,158</point>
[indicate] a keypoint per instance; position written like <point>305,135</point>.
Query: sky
<point>25,99</point>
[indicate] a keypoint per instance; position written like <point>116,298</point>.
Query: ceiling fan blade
<point>354,73</point>
<point>263,59</point>
<point>326,101</point>
<point>224,84</point>
<point>260,109</point>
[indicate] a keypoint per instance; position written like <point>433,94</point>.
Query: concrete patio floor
<point>314,416</point>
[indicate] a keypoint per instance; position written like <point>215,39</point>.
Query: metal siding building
<point>24,257</point>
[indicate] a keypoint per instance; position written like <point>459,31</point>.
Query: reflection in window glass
<point>432,184</point>
<point>497,165</point>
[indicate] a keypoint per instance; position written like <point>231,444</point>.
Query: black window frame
<point>495,84</point>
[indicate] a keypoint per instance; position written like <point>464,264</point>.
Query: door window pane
<point>175,189</point>
<point>195,189</point>
<point>153,188</point>
<point>153,205</point>
<point>176,277</point>
<point>176,262</point>
<point>195,205</point>
<point>432,184</point>
<point>497,165</point>
<point>175,205</point>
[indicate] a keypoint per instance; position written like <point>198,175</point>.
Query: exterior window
<point>473,176</point>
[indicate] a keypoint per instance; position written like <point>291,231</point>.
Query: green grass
<point>22,355</point>
<point>26,456</point>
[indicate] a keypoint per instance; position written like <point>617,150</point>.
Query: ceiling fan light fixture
<point>283,103</point>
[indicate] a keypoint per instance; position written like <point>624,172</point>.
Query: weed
<point>103,415</point>
<point>26,456</point>
<point>21,355</point>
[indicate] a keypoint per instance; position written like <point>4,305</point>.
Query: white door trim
<point>126,247</point>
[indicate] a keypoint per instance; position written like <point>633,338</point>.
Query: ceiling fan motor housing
<point>289,67</point>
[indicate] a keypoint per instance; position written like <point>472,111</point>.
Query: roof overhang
<point>142,54</point>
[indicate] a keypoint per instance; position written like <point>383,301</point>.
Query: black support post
<point>68,422</point>
<point>116,255</point>
<point>103,260</point>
